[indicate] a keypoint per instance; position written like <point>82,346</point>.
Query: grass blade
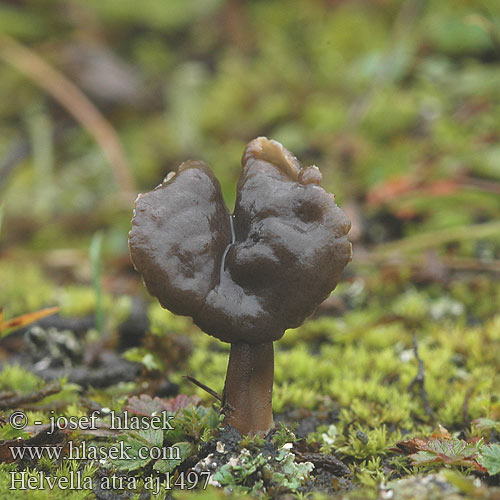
<point>95,262</point>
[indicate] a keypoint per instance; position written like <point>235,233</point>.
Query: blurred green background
<point>398,102</point>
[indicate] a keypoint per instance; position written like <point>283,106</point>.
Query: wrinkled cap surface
<point>250,276</point>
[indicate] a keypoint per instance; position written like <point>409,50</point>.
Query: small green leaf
<point>142,355</point>
<point>448,451</point>
<point>424,458</point>
<point>137,444</point>
<point>225,476</point>
<point>486,424</point>
<point>490,458</point>
<point>163,465</point>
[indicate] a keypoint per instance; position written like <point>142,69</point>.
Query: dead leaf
<point>147,406</point>
<point>24,320</point>
<point>442,448</point>
<point>409,446</point>
<point>399,187</point>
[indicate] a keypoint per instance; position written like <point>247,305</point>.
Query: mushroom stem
<point>248,391</point>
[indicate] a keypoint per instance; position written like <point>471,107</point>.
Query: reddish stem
<point>248,390</point>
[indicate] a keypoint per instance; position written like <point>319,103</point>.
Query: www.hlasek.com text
<point>84,451</point>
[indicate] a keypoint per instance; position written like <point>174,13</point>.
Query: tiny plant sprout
<point>247,277</point>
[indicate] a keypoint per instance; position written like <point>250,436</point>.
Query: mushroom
<point>247,277</point>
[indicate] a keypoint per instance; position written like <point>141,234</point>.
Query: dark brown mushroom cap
<point>179,233</point>
<point>287,252</point>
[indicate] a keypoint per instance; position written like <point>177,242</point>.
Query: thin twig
<point>18,400</point>
<point>471,264</point>
<point>201,385</point>
<point>448,262</point>
<point>74,101</point>
<point>465,407</point>
<point>434,239</point>
<point>420,380</point>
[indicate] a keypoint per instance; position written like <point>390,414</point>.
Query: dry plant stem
<point>433,239</point>
<point>73,99</point>
<point>201,385</point>
<point>248,390</point>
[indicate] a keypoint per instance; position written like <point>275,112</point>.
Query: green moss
<point>162,321</point>
<point>67,472</point>
<point>24,288</point>
<point>16,378</point>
